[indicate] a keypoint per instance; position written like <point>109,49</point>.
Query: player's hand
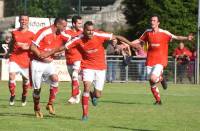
<point>190,37</point>
<point>45,54</point>
<point>48,60</point>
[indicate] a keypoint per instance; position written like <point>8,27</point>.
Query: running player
<point>157,54</point>
<point>19,59</point>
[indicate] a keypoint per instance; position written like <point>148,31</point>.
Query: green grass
<point>124,106</point>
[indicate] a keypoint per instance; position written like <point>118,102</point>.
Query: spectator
<point>191,66</point>
<point>4,48</point>
<point>112,49</point>
<point>141,53</point>
<point>182,55</point>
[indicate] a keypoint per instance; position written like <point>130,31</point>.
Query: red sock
<point>85,101</point>
<point>75,87</point>
<point>25,89</point>
<point>156,93</point>
<point>52,95</point>
<point>12,86</point>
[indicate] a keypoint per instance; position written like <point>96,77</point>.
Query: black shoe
<point>164,83</point>
<point>12,98</point>
<point>23,99</point>
<point>158,103</point>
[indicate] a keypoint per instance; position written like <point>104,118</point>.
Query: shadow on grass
<point>32,115</point>
<point>123,102</point>
<point>131,129</point>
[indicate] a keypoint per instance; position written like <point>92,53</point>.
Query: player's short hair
<point>75,18</point>
<point>58,19</point>
<point>23,14</point>
<point>155,15</point>
<point>88,23</point>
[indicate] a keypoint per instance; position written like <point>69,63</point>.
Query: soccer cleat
<point>164,83</point>
<point>38,114</point>
<point>158,103</point>
<point>72,100</point>
<point>84,118</point>
<point>23,100</point>
<point>12,98</point>
<point>94,101</point>
<point>78,97</point>
<point>51,109</point>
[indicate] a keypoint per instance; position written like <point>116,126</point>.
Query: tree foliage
<point>39,8</point>
<point>177,16</point>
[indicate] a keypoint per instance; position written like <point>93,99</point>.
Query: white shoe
<point>24,103</point>
<point>11,103</point>
<point>78,97</point>
<point>72,100</point>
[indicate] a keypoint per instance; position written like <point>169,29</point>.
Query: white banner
<point>61,70</point>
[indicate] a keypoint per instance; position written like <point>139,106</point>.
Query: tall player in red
<point>157,54</point>
<point>46,39</point>
<point>73,58</point>
<point>19,59</point>
<point>93,62</point>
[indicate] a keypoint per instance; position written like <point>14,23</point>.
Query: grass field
<point>124,106</point>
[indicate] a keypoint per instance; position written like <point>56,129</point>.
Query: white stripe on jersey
<point>67,44</point>
<point>41,36</point>
<point>66,35</point>
<point>107,35</point>
<point>168,33</point>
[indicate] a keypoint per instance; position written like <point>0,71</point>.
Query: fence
<point>135,71</point>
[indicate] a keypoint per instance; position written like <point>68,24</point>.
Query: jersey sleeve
<point>143,37</point>
<point>104,36</point>
<point>65,36</point>
<point>73,42</point>
<point>40,36</point>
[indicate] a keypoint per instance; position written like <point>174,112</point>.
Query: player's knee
<point>154,78</point>
<point>86,86</point>
<point>11,76</point>
<point>54,78</point>
<point>75,74</point>
<point>36,93</point>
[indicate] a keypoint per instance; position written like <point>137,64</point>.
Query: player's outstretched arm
<point>34,49</point>
<point>181,38</point>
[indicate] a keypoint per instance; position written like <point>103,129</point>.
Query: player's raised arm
<point>181,38</point>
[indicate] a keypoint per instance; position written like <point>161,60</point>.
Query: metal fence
<point>135,71</point>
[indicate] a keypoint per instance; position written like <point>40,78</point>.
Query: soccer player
<point>73,58</point>
<point>46,39</point>
<point>19,60</point>
<point>157,54</point>
<point>93,62</point>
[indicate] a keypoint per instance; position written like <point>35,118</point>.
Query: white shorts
<point>41,71</point>
<point>75,66</point>
<point>97,77</point>
<point>14,67</point>
<point>156,70</point>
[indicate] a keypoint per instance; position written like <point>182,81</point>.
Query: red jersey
<point>92,50</point>
<point>182,52</point>
<point>46,40</point>
<point>73,54</point>
<point>158,46</point>
<point>18,55</point>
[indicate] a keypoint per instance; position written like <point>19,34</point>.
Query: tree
<point>177,16</point>
<point>39,8</point>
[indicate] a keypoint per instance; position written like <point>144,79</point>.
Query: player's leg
<point>75,98</point>
<point>52,93</point>
<point>25,85</point>
<point>36,74</point>
<point>53,87</point>
<point>99,85</point>
<point>13,71</point>
<point>154,74</point>
<point>88,77</point>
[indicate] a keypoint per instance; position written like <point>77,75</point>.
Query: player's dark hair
<point>88,23</point>
<point>23,14</point>
<point>75,18</point>
<point>58,19</point>
<point>155,15</point>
